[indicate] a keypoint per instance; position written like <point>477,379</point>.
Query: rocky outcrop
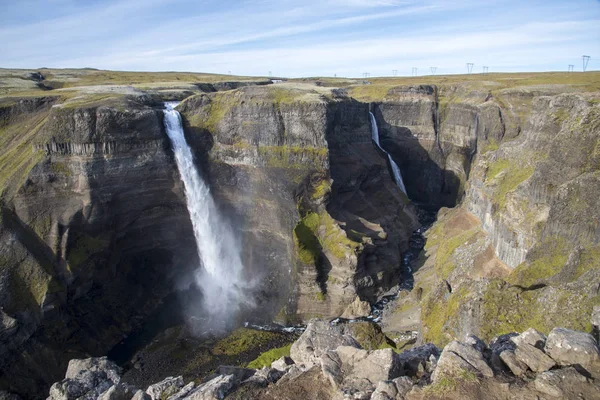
<point>463,369</point>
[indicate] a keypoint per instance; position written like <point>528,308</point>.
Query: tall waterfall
<point>220,275</point>
<point>395,168</point>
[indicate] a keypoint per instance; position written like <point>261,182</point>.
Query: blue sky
<point>300,38</point>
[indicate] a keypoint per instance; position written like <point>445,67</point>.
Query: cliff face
<point>271,154</point>
<point>86,237</point>
<point>521,249</point>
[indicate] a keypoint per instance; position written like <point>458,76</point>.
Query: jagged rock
<point>119,392</point>
<point>385,390</point>
<point>551,382</point>
<point>529,350</point>
<point>403,385</point>
<point>141,395</point>
<point>318,338</point>
<point>331,366</point>
<point>595,320</point>
<point>8,326</point>
<point>458,357</point>
<point>533,357</point>
<point>531,337</point>
<point>215,389</point>
<point>165,388</point>
<point>517,367</point>
<point>283,364</point>
<point>266,375</point>
<point>184,391</point>
<point>88,378</point>
<point>357,309</point>
<point>471,355</point>
<point>375,366</point>
<point>569,347</point>
<point>410,360</point>
<point>238,373</point>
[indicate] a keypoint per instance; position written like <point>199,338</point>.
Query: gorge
<point>287,197</point>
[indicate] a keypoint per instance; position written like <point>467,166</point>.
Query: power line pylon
<point>394,72</point>
<point>571,67</point>
<point>414,71</point>
<point>485,69</point>
<point>586,60</point>
<point>470,67</point>
<point>433,69</point>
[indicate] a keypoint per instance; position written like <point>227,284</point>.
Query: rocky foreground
<point>327,362</point>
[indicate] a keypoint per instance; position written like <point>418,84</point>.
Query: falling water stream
<point>220,274</point>
<point>395,168</point>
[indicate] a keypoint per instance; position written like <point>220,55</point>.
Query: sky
<point>294,38</point>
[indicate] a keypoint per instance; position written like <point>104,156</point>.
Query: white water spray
<point>220,276</point>
<point>395,168</point>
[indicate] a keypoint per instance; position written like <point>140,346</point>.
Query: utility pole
<point>586,60</point>
<point>394,72</point>
<point>470,67</point>
<point>571,67</point>
<point>433,69</point>
<point>485,70</point>
<point>270,74</point>
<point>414,71</point>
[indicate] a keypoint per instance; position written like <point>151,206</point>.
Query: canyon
<point>96,238</point>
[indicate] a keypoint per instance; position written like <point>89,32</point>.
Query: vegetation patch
<point>509,309</point>
<point>370,92</point>
<point>295,157</point>
<point>439,311</point>
<point>242,340</point>
<point>444,265</point>
<point>370,336</point>
<point>266,358</point>
<point>512,176</point>
<point>449,383</point>
<point>546,259</point>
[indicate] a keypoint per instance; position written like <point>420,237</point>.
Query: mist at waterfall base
<point>395,169</point>
<point>220,275</point>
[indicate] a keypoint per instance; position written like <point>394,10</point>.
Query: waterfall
<point>220,275</point>
<point>395,168</point>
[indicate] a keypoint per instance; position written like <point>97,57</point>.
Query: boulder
<point>283,364</point>
<point>331,366</point>
<point>165,388</point>
<point>497,346</point>
<point>317,339</point>
<point>357,309</point>
<point>90,377</point>
<point>554,383</point>
<point>457,358</point>
<point>403,385</point>
<point>119,392</point>
<point>569,347</point>
<point>140,395</point>
<point>475,342</point>
<point>385,390</point>
<point>215,389</point>
<point>533,357</point>
<point>375,366</point>
<point>8,326</point>
<point>517,367</point>
<point>531,337</point>
<point>183,392</point>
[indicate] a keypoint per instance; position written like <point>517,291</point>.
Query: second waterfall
<point>395,167</point>
<point>220,275</point>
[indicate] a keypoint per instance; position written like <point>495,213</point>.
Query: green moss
<point>444,265</point>
<point>42,225</point>
<point>370,336</point>
<point>320,297</point>
<point>439,314</point>
<point>589,260</point>
<point>266,358</point>
<point>321,189</point>
<point>513,174</point>
<point>242,340</point>
<point>295,157</point>
<point>560,116</point>
<point>315,233</point>
<point>490,145</point>
<point>510,309</point>
<point>546,259</point>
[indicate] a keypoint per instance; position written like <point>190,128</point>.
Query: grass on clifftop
<point>242,340</point>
